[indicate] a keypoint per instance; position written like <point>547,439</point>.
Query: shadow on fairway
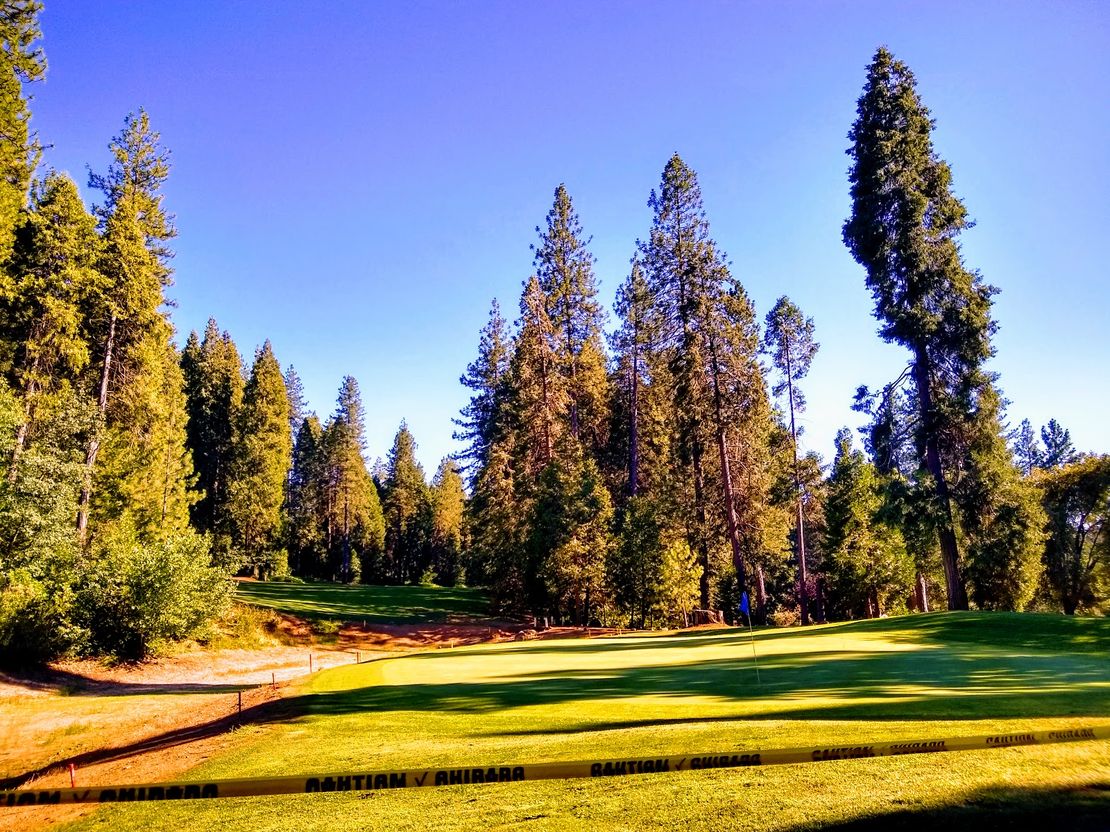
<point>921,684</point>
<point>1081,809</point>
<point>1014,632</point>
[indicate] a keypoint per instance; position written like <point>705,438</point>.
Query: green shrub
<point>286,579</point>
<point>135,597</point>
<point>34,622</point>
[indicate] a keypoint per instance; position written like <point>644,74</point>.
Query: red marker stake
<point>72,778</point>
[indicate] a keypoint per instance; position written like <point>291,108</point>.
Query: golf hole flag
<point>745,608</point>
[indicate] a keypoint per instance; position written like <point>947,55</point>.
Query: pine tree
<point>1058,448</point>
<point>407,509</point>
<point>307,502</point>
<point>1028,453</point>
<point>298,406</point>
<point>47,289</point>
<point>131,333</point>
<point>633,343</point>
<point>214,388</point>
<point>903,229</point>
<point>709,336</point>
<point>478,422</point>
<point>789,338</point>
<point>571,538</point>
<point>867,566</point>
<point>634,569</point>
<point>679,257</point>
<point>538,391</point>
<point>1000,513</point>
<point>564,270</point>
<point>354,530</point>
<point>448,524</point>
<point>21,62</point>
<point>261,458</point>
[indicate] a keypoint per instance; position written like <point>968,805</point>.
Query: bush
<point>286,579</point>
<point>34,625</point>
<point>135,597</point>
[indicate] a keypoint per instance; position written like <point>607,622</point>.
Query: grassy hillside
<point>923,676</point>
<point>372,604</point>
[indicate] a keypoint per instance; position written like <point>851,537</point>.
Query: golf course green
<point>926,676</point>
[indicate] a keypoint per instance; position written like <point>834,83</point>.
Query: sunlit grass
<point>530,702</point>
<point>370,604</point>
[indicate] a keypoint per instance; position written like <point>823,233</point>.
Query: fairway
<point>371,604</point>
<point>914,677</point>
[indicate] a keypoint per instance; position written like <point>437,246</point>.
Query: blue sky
<point>356,180</point>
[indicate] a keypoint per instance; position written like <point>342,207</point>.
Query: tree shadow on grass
<point>67,683</point>
<point>1076,809</point>
<point>998,630</point>
<point>266,712</point>
<point>841,686</point>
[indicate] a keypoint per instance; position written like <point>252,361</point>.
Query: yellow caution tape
<point>410,778</point>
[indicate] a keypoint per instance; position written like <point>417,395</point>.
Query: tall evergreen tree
<point>539,397</point>
<point>1028,453</point>
<point>298,406</point>
<point>306,518</point>
<point>214,387</point>
<point>867,565</point>
<point>261,459</point>
<point>1058,448</point>
<point>789,337</point>
<point>633,342</point>
<point>45,294</point>
<point>708,333</point>
<point>132,334</point>
<point>354,530</point>
<point>904,228</point>
<point>407,510</point>
<point>21,62</point>
<point>448,534</point>
<point>485,376</point>
<point>564,270</point>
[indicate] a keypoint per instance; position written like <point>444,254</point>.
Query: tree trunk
<point>761,593</point>
<point>921,593</point>
<point>634,427</point>
<point>726,474</point>
<point>94,440</point>
<point>803,575</point>
<point>949,551</point>
<point>699,516</point>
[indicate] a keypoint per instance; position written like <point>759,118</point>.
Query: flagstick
<point>754,657</point>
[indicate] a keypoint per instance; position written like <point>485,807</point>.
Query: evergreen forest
<point>636,466</point>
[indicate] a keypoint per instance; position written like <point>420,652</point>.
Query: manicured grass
<point>916,677</point>
<point>372,604</point>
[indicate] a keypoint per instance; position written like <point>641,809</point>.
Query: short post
<point>273,679</point>
<point>240,702</point>
<point>358,657</point>
<point>309,662</point>
<point>72,777</point>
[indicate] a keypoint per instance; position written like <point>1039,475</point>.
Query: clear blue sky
<point>356,180</point>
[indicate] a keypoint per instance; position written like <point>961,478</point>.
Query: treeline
<point>281,493</point>
<point>635,484</point>
<point>135,479</point>
<point>620,471</point>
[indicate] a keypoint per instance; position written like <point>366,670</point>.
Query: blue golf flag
<point>744,608</point>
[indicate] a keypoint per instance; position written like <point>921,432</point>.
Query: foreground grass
<point>923,676</point>
<point>372,604</point>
